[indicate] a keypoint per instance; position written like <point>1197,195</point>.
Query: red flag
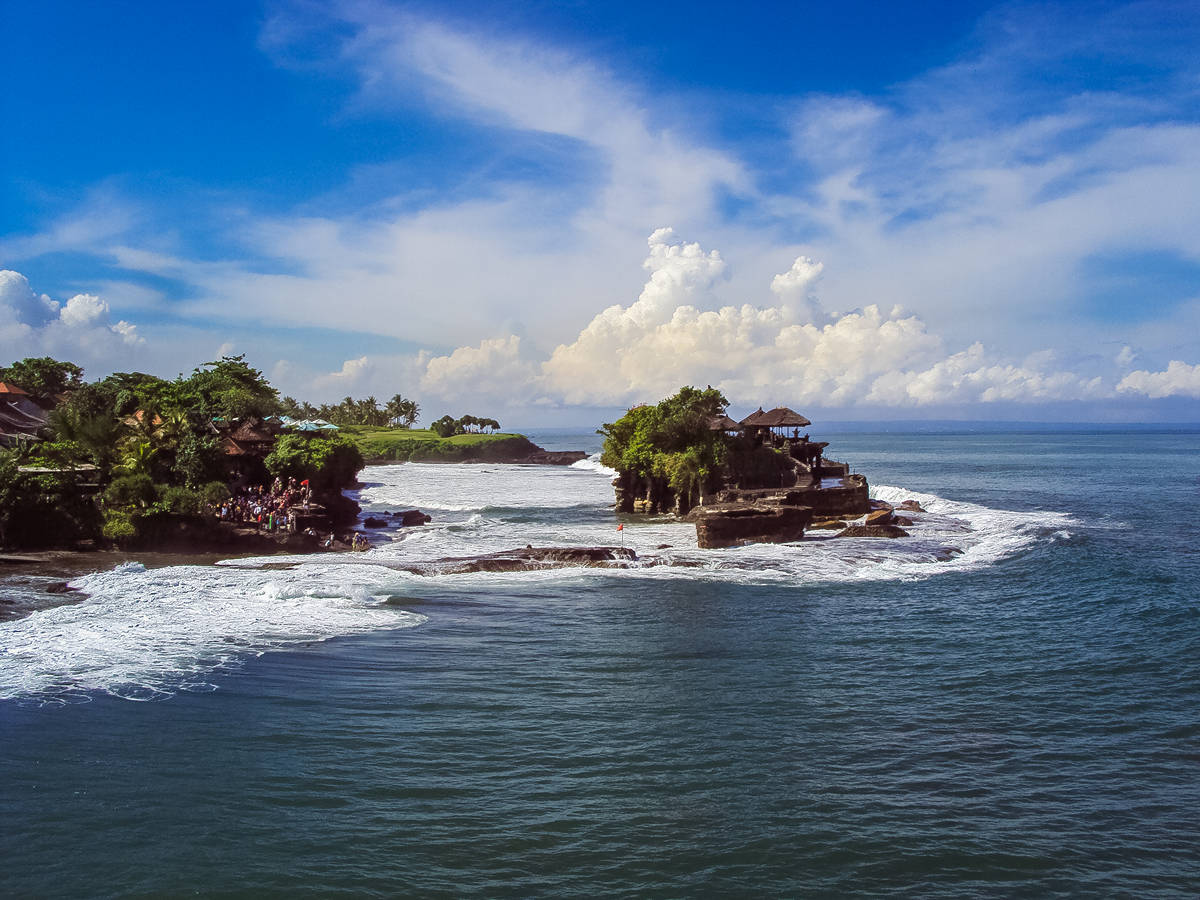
<point>305,481</point>
<point>621,527</point>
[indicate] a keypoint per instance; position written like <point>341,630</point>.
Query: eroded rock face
<point>728,525</point>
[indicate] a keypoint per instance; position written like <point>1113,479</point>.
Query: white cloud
<point>1125,357</point>
<point>80,330</point>
<point>1178,380</point>
<point>354,372</point>
<point>493,372</point>
<point>754,354</point>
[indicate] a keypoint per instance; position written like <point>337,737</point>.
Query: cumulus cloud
<point>32,324</point>
<point>1178,380</point>
<point>1126,356</point>
<point>493,371</point>
<point>349,377</point>
<point>792,353</point>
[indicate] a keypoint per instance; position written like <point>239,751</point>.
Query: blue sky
<point>966,210</point>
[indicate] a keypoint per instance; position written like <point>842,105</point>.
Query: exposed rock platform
<point>528,559</point>
<point>731,524</point>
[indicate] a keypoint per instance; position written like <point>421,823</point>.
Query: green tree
<point>43,378</point>
<point>329,462</point>
<point>97,432</point>
<point>446,426</point>
<point>199,459</point>
<point>402,411</point>
<point>671,441</point>
<point>229,388</point>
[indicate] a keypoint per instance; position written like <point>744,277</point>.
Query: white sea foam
<point>593,464</point>
<point>143,634</point>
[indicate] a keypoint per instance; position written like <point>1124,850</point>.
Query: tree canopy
<point>43,378</point>
<point>397,411</point>
<point>671,440</point>
<point>448,426</point>
<point>230,388</point>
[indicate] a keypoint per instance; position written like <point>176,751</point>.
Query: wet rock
<point>556,457</point>
<point>373,522</point>
<point>59,587</point>
<point>911,506</point>
<point>874,531</point>
<point>902,521</point>
<point>528,559</point>
<point>735,524</point>
<point>827,525</point>
<point>881,504</point>
<point>411,517</point>
<point>882,516</point>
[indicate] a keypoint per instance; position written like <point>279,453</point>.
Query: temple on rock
<point>773,482</point>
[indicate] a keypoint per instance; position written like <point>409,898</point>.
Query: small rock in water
<point>881,516</point>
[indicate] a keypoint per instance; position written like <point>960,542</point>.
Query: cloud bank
<point>1178,380</point>
<point>793,352</point>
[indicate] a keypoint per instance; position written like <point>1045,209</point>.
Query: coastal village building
<point>20,418</point>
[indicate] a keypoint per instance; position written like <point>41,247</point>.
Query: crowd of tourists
<point>268,509</point>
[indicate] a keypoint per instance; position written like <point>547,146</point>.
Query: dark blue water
<point>1027,729</point>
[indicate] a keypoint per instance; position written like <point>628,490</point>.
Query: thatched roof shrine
<point>252,431</point>
<point>723,423</point>
<point>779,417</point>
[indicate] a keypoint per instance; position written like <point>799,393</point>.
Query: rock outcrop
<point>555,457</point>
<point>731,524</point>
<point>528,559</point>
<point>873,531</point>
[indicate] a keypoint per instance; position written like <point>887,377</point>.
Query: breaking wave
<point>145,634</point>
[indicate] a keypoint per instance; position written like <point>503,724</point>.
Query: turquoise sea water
<point>1022,721</point>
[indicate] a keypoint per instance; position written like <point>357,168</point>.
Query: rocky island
<point>762,479</point>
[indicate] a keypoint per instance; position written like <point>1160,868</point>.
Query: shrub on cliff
<point>130,491</point>
<point>328,462</point>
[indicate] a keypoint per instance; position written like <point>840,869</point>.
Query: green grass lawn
<point>422,445</point>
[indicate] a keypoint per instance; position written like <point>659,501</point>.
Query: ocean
<point>1007,703</point>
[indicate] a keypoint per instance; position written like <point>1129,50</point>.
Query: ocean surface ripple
<point>804,719</point>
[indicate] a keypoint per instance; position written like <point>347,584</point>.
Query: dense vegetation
<point>326,462</point>
<point>130,447</point>
<point>448,426</point>
<point>399,411</point>
<point>671,441</point>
